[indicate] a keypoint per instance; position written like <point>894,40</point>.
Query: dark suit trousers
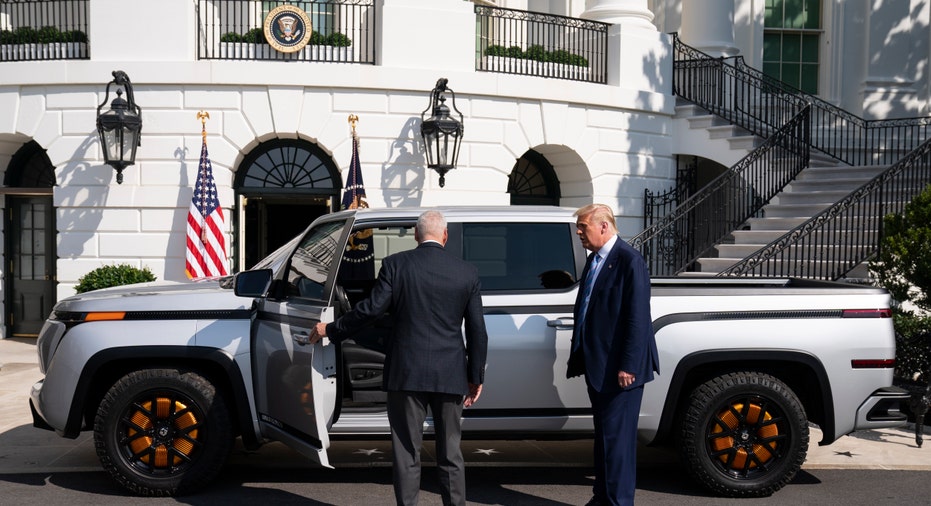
<point>406,414</point>
<point>615,417</point>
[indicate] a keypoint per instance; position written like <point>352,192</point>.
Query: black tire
<point>744,434</point>
<point>161,432</point>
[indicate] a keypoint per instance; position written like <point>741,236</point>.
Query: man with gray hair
<point>429,292</point>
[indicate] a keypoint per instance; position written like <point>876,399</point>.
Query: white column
<point>634,13</point>
<point>709,27</point>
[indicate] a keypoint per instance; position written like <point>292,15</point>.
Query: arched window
<point>533,181</point>
<point>288,166</point>
<point>30,167</point>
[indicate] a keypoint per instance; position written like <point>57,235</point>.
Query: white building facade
<point>280,142</point>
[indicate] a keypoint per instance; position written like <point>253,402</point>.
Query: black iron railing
<point>343,31</point>
<point>43,30</point>
<point>673,244</point>
<point>833,242</point>
<point>659,204</point>
<point>759,103</point>
<point>544,45</point>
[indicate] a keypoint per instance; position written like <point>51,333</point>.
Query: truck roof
<point>456,213</point>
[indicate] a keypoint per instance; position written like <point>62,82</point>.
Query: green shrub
<point>912,350</point>
<point>337,39</point>
<point>903,267</point>
<point>255,36</point>
<point>7,37</point>
<point>25,35</point>
<point>113,275</point>
<point>494,50</point>
<point>317,39</point>
<point>537,53</point>
<point>74,36</point>
<point>48,35</point>
<point>231,37</point>
<point>515,52</point>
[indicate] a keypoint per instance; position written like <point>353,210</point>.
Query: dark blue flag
<point>359,258</point>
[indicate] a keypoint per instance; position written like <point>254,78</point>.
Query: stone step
<point>828,197</point>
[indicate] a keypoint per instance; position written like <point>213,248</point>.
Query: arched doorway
<point>29,222</point>
<point>533,181</point>
<point>281,187</point>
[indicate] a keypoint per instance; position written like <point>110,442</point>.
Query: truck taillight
<point>867,313</point>
<point>880,363</point>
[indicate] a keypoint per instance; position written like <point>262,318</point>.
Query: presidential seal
<point>287,28</point>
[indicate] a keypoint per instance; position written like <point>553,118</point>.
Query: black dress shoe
<point>593,502</point>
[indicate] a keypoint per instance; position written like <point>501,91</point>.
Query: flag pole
<point>203,116</point>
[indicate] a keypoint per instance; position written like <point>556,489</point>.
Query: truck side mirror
<point>253,283</point>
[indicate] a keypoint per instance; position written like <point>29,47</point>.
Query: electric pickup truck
<point>167,375</point>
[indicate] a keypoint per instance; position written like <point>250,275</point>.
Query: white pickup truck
<point>167,375</point>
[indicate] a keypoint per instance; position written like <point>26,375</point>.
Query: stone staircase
<point>815,189</point>
<point>825,182</point>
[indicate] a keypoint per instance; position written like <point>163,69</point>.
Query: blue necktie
<point>587,289</point>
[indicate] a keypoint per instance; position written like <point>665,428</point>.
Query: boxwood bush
<point>903,267</point>
<point>113,275</point>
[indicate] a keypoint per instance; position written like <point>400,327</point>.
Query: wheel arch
<point>800,371</point>
<point>105,367</point>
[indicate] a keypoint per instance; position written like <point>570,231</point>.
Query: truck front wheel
<point>161,432</point>
<point>744,434</point>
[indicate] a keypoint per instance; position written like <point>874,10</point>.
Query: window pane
<point>795,14</point>
<point>791,49</point>
<point>772,46</point>
<point>809,79</point>
<point>773,70</point>
<point>772,15</point>
<point>809,49</point>
<point>525,256</point>
<point>813,14</point>
<point>790,74</point>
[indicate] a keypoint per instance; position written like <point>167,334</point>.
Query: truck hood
<point>204,294</point>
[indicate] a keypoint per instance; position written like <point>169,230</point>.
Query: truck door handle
<point>301,338</point>
<point>566,322</point>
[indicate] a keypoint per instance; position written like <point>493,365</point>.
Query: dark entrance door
<point>272,222</point>
<point>287,183</point>
<point>30,222</point>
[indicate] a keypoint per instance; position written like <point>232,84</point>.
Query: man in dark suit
<point>613,346</point>
<point>428,292</point>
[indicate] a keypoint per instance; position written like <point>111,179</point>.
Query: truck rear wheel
<point>161,432</point>
<point>744,434</point>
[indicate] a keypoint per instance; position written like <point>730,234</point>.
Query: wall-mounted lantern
<point>442,135</point>
<point>120,128</point>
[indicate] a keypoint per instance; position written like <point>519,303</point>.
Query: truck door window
<point>364,253</point>
<point>310,264</point>
<point>520,256</point>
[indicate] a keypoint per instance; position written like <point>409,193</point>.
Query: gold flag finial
<point>353,119</point>
<point>203,116</point>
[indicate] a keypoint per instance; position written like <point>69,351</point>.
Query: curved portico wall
<point>607,142</point>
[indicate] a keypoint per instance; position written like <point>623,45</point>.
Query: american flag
<point>206,246</point>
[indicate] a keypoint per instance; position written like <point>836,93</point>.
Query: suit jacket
<point>428,292</point>
<point>618,333</point>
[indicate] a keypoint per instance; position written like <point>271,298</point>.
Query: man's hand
<point>625,379</point>
<point>474,392</point>
<point>318,333</point>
